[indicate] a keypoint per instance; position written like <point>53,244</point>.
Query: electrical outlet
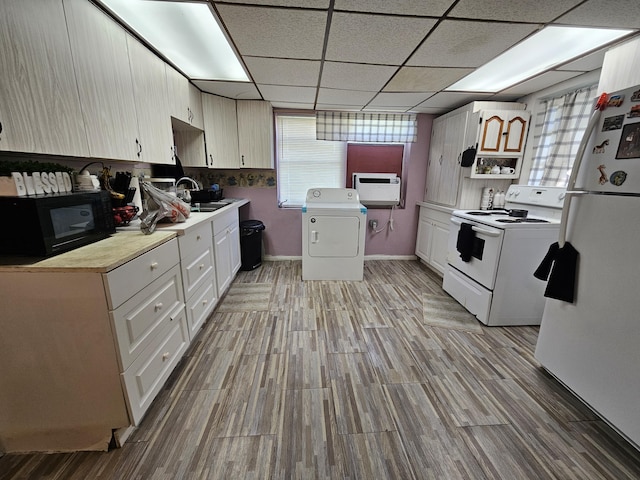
<point>373,224</point>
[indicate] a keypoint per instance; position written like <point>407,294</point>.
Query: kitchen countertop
<point>435,207</point>
<point>195,219</point>
<point>102,256</point>
<point>105,255</point>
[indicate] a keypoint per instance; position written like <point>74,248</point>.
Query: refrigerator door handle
<point>566,206</point>
<point>593,121</point>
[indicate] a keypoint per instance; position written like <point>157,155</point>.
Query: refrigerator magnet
<point>600,148</point>
<point>613,123</point>
<point>615,101</point>
<point>635,97</point>
<point>629,146</point>
<point>618,177</point>
<point>603,175</point>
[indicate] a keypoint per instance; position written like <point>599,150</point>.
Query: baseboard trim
<point>282,258</point>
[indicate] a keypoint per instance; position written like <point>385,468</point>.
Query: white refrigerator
<point>592,345</point>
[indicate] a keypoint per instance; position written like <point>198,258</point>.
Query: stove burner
<point>487,213</point>
<point>521,220</point>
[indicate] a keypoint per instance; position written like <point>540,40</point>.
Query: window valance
<point>366,127</point>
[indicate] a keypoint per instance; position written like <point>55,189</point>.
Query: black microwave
<point>52,224</point>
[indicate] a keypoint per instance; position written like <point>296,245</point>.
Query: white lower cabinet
<point>150,326</point>
<point>198,275</point>
<point>226,246</point>
<point>433,237</point>
<point>147,374</point>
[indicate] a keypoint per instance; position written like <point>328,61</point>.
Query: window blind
<point>366,127</point>
<point>305,162</point>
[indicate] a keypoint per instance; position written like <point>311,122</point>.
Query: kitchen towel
<point>466,238</point>
<point>559,266</point>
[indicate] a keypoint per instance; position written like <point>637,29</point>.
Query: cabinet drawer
<point>125,281</point>
<point>195,242</point>
<point>194,271</point>
<point>147,374</point>
<point>200,305</point>
<point>225,220</point>
<point>141,318</point>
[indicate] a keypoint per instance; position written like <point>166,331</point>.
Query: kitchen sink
<point>212,206</point>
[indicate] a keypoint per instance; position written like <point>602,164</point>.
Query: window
<point>559,128</point>
<point>303,161</point>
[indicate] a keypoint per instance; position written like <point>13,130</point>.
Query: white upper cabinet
<point>184,98</point>
<point>447,145</point>
<point>255,133</point>
<point>221,131</point>
<point>152,107</point>
<point>39,104</point>
<point>101,61</point>
<point>502,133</point>
<point>195,106</point>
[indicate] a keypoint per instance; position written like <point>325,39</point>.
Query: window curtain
<point>366,127</point>
<point>559,128</point>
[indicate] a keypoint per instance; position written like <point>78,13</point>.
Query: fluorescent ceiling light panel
<point>546,49</point>
<point>186,33</point>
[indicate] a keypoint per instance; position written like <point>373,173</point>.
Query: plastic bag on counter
<point>161,206</point>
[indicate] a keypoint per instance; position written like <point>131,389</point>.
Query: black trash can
<point>251,244</point>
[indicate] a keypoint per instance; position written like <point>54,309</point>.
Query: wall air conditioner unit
<point>377,189</point>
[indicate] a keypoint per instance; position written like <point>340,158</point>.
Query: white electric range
<point>492,256</point>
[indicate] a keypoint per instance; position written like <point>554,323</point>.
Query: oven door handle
<point>483,231</point>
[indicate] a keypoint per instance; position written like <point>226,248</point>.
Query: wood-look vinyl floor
<point>348,380</point>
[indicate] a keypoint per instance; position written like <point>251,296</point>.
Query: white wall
<point>533,105</point>
<point>620,68</point>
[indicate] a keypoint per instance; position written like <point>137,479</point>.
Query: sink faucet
<point>194,184</point>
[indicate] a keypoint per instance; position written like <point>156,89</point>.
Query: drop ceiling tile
<point>424,79</point>
<point>405,100</point>
<point>586,64</point>
<point>376,39</point>
<point>540,82</point>
<point>340,108</point>
<point>381,109</point>
<point>432,8</point>
<point>540,11</point>
<point>284,3</point>
<point>275,32</point>
<point>457,43</point>
<point>279,93</point>
<point>451,100</point>
<point>355,76</point>
<point>605,13</point>
<point>429,110</point>
<point>345,97</point>
<point>292,105</point>
<point>281,71</point>
<point>236,90</point>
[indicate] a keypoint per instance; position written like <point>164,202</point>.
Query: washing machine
<point>334,225</point>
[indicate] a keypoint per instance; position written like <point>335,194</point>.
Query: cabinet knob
<point>205,301</point>
<point>242,157</point>
<point>154,265</point>
<point>165,355</point>
<point>198,237</point>
<point>158,306</point>
<point>139,145</point>
<point>201,266</point>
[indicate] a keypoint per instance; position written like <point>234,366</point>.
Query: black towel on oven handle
<point>559,266</point>
<point>466,238</point>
